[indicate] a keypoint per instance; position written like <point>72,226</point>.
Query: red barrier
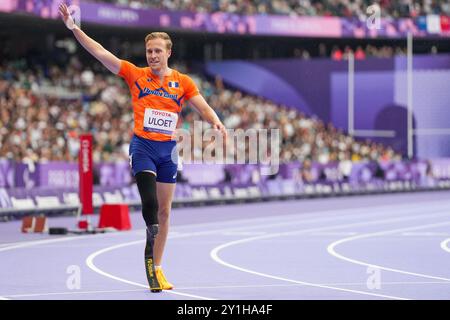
<point>85,170</point>
<point>32,224</point>
<point>41,224</point>
<point>116,216</point>
<point>28,224</point>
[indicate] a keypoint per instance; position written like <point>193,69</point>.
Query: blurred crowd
<point>44,110</point>
<point>342,53</point>
<point>303,138</point>
<point>343,8</point>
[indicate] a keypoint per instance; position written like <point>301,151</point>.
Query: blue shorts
<point>160,157</point>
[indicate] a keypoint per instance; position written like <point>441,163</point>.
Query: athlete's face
<point>157,54</point>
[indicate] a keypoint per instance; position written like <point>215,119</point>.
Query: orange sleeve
<point>190,89</point>
<point>128,71</point>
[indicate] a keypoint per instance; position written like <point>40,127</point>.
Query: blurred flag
<point>422,23</point>
<point>433,23</point>
<point>445,24</point>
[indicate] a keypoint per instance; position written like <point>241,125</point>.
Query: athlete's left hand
<point>220,127</point>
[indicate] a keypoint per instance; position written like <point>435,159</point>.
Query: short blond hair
<point>160,35</point>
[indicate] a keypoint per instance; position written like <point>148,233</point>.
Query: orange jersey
<point>156,108</point>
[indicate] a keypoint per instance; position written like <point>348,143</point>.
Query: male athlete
<point>158,93</point>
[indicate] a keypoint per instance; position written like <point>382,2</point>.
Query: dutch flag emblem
<point>173,84</point>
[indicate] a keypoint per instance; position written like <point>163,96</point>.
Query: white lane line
<point>27,244</point>
<point>425,234</point>
<point>376,210</point>
<point>295,219</point>
<point>215,256</point>
<point>444,245</point>
<point>9,244</point>
<point>323,284</point>
<point>215,252</point>
<point>336,217</point>
<point>331,249</point>
<point>92,266</point>
<point>369,211</point>
<point>30,295</point>
<point>263,221</point>
<point>242,233</point>
<point>339,216</point>
<point>343,214</point>
<point>320,234</point>
<point>237,286</point>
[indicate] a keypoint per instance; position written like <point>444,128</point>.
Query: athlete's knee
<point>164,211</point>
<point>163,219</point>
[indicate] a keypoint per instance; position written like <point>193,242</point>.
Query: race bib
<point>160,121</point>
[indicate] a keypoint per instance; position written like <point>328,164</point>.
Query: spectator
<point>342,8</point>
<point>72,101</point>
<point>336,54</point>
<point>360,54</point>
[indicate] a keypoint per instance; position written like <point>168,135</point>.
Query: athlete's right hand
<point>65,15</point>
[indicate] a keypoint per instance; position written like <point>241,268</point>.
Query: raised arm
<point>110,61</point>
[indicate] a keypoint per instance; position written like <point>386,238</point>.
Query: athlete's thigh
<point>142,162</point>
<point>142,156</point>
